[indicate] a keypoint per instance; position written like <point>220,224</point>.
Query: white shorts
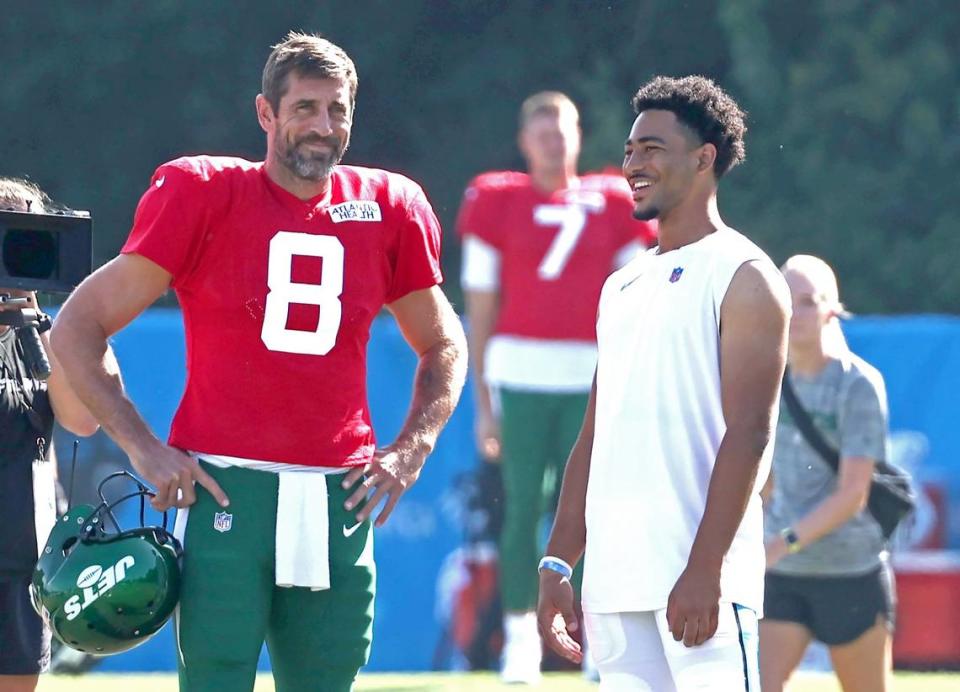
<point>636,652</point>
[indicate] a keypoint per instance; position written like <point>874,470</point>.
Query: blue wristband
<point>555,564</point>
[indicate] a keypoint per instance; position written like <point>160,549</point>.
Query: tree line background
<point>852,153</point>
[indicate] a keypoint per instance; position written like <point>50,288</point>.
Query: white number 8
<point>283,291</point>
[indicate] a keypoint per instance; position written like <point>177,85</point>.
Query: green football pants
<point>538,430</point>
<point>229,604</point>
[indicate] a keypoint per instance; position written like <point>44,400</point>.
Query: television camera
<point>40,252</point>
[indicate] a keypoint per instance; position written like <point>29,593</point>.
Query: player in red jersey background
<point>280,268</point>
<point>537,248</point>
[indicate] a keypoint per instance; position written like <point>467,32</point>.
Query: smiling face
<point>310,131</point>
<point>662,161</point>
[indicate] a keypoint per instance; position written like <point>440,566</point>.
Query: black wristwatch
<point>792,540</point>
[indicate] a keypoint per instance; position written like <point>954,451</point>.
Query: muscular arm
<point>68,409</point>
<point>753,346</point>
<point>102,305</point>
<point>556,616</point>
<point>432,330</point>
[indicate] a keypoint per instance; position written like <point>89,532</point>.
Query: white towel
<point>303,531</point>
<point>44,500</point>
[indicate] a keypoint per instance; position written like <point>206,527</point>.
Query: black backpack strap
<point>807,427</point>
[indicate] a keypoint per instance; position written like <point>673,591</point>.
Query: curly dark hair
<point>705,109</point>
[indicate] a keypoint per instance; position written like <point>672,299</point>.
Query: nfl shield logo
<point>222,521</point>
<point>675,277</point>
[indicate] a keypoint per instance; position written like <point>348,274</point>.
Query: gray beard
<point>313,167</point>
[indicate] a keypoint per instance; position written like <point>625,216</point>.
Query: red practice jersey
<point>278,295</point>
<point>555,249</point>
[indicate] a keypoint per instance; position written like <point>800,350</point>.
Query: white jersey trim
<point>481,265</point>
<point>540,365</point>
<point>222,461</point>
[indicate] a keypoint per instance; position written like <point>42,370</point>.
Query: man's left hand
<point>694,606</point>
<point>392,471</point>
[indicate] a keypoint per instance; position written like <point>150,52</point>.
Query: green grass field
<point>466,682</point>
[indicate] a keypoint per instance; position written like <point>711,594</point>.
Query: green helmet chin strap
<point>102,589</point>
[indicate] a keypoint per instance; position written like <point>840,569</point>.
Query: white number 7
<point>283,291</point>
<point>571,219</point>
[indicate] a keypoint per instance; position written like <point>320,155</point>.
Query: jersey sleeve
<point>171,219</point>
<point>480,266</point>
<point>418,252</point>
<point>479,214</point>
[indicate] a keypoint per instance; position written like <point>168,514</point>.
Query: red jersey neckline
<point>573,186</point>
<point>291,200</point>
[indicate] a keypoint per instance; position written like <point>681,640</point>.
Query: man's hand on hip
<point>389,475</point>
<point>173,474</point>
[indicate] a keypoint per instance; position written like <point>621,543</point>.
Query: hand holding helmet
<point>103,589</point>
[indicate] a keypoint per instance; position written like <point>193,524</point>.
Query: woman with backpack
<point>828,577</point>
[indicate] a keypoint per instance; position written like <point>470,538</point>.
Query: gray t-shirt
<point>848,404</point>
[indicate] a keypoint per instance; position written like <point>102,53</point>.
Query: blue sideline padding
<point>919,357</point>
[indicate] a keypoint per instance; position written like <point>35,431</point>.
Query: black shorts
<point>24,638</point>
<point>837,610</point>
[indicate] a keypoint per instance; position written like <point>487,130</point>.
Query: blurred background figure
<point>828,578</point>
<point>28,407</point>
<point>537,247</point>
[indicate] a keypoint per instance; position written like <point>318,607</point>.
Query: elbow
<point>858,500</point>
<point>851,501</point>
<point>456,348</point>
<point>69,328</point>
<point>62,341</point>
<point>761,440</point>
<point>82,425</point>
<point>752,438</point>
<point>58,335</point>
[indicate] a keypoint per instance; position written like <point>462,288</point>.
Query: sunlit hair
<point>705,109</point>
<point>306,55</point>
<point>826,292</point>
<point>547,103</point>
<point>17,194</point>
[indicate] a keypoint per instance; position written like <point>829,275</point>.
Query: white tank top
<point>659,424</point>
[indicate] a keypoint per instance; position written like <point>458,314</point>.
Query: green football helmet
<point>101,589</point>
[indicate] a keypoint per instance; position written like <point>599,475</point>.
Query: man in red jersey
<point>280,267</point>
<point>537,248</point>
